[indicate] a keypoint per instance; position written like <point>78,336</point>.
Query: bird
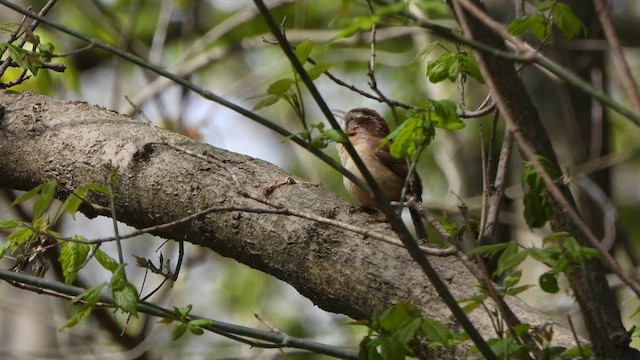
<point>365,128</point>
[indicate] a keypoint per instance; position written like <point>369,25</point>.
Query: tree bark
<point>43,138</point>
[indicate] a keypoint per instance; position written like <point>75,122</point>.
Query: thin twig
<point>626,76</point>
<point>496,199</point>
<point>244,334</point>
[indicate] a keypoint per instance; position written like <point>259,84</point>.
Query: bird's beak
<point>339,114</point>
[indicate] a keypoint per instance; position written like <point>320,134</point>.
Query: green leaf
<point>26,59</point>
<point>369,349</point>
<point>335,135</point>
<point>9,29</point>
<point>201,322</point>
<point>472,303</point>
<point>392,349</point>
<point>548,283</point>
<point>20,236</point>
<point>445,115</point>
<point>72,256</point>
<point>536,23</point>
<point>89,299</point>
<point>537,209</point>
<point>318,142</point>
<point>280,87</point>
<point>438,68</point>
<point>106,261</point>
<point>555,237</point>
<point>567,21</point>
<point>436,331</point>
<point>492,250</point>
<point>9,224</point>
<point>46,191</point>
<point>584,352</point>
<point>303,50</point>
<point>27,195</point>
<point>46,50</point>
<point>356,25</point>
<point>413,133</point>
<point>127,298</point>
<point>70,205</point>
<point>546,5</point>
<point>408,331</point>
<point>125,295</point>
<point>508,260</point>
<point>521,329</point>
<point>512,279</point>
<point>195,326</point>
<point>195,330</point>
<point>507,348</point>
<point>518,289</point>
<point>394,317</point>
<point>471,66</point>
<point>4,248</point>
<point>178,331</point>
<point>318,69</point>
<point>266,102</point>
<point>183,312</point>
<point>97,188</point>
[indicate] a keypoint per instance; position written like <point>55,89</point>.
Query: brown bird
<point>365,128</point>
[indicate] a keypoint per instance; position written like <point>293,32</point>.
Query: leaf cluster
<point>394,331</point>
<point>185,322</point>
<point>31,60</point>
<point>548,13</point>
<point>28,237</point>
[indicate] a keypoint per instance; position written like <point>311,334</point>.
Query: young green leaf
<point>195,326</point>
<point>4,248</point>
<point>303,50</point>
<point>178,331</point>
<point>510,259</point>
<point>436,331</point>
<point>514,291</point>
<point>126,298</point>
<point>493,249</point>
<point>392,349</point>
<point>46,191</point>
<point>537,23</point>
<point>106,261</point>
<point>72,256</point>
<point>89,299</point>
<point>29,194</point>
<point>20,236</point>
<point>567,21</point>
<point>356,25</point>
<point>396,316</point>
<point>318,69</point>
<point>438,68</point>
<point>470,66</point>
<point>512,279</point>
<point>537,209</point>
<point>266,102</point>
<point>125,295</point>
<point>9,224</point>
<point>280,87</point>
<point>444,115</point>
<point>183,312</point>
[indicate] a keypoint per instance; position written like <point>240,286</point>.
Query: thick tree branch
<point>43,138</point>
